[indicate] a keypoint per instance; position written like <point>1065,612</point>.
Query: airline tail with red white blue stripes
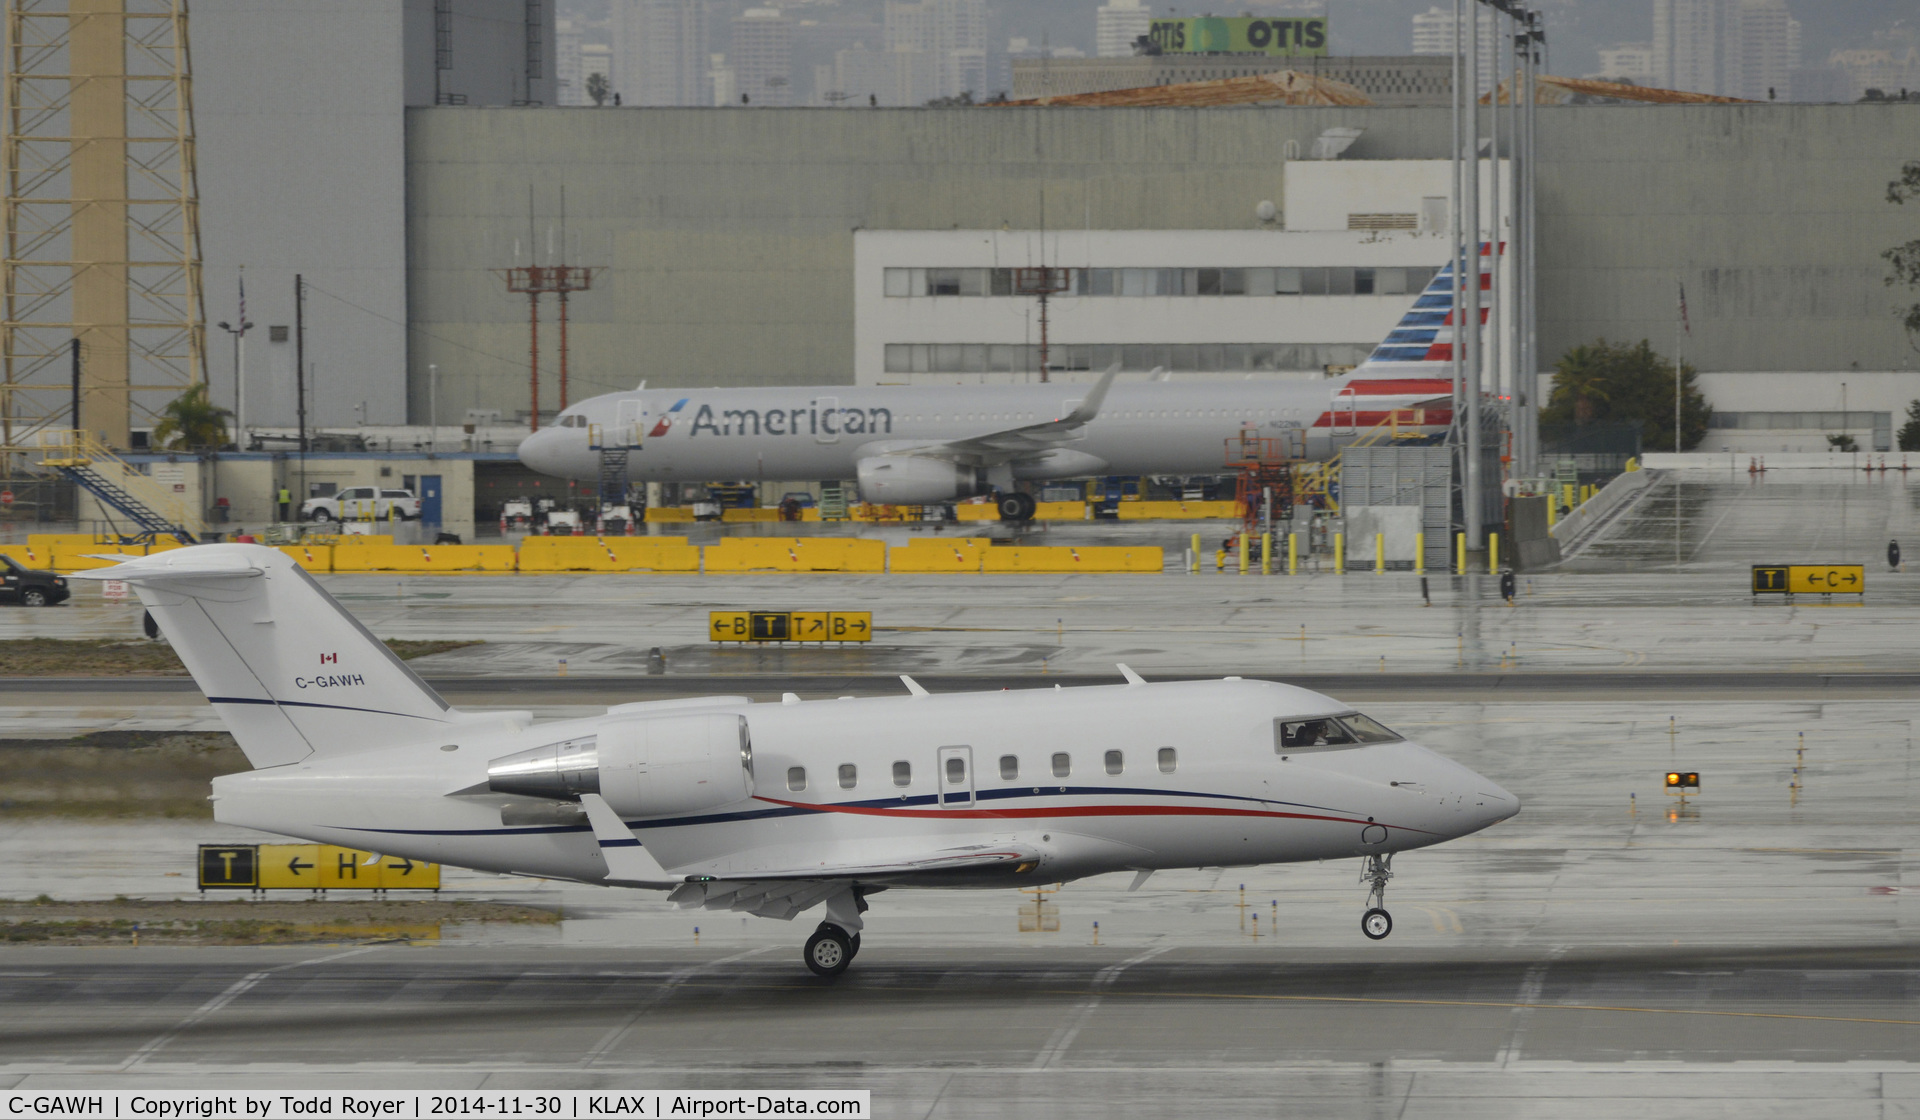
<point>1412,366</point>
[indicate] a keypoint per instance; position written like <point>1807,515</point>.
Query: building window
<point>903,773</point>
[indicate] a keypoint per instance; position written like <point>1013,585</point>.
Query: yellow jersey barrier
<point>1178,511</point>
<point>938,554</point>
<point>313,867</point>
<point>608,554</point>
<point>796,554</point>
<point>1065,558</point>
<point>423,558</point>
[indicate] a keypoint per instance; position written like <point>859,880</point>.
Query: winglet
<point>1090,406</point>
<point>627,861</point>
<point>1133,678</point>
<point>914,686</point>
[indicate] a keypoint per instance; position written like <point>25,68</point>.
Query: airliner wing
<point>998,447</point>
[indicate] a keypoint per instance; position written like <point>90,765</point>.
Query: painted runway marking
<point>673,981</point>
<point>1050,1054</point>
<point>232,992</point>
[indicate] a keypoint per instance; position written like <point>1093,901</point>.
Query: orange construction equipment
<point>1284,87</point>
<point>1262,468</point>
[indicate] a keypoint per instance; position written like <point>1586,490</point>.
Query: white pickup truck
<point>357,503</point>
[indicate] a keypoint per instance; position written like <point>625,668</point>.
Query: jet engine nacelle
<point>915,480</point>
<point>643,767</point>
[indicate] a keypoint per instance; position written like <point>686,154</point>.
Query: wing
<point>784,893</point>
<point>1013,443</point>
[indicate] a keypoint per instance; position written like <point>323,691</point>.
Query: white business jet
<point>772,809</point>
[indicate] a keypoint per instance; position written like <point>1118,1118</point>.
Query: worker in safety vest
<point>286,503</point>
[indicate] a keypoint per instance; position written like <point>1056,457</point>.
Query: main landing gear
<point>831,949</point>
<point>1015,506</point>
<point>834,945</point>
<point>1376,923</point>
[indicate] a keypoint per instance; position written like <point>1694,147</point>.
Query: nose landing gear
<point>1376,923</point>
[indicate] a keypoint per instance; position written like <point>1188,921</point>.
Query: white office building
<point>1433,33</point>
<point>1360,240</point>
<point>1117,24</point>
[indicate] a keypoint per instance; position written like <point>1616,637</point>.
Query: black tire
<point>320,515</point>
<point>828,951</point>
<point>33,597</point>
<point>854,947</point>
<point>1376,924</point>
<point>1016,506</point>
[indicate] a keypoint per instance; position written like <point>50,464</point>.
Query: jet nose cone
<point>1494,802</point>
<point>540,452</point>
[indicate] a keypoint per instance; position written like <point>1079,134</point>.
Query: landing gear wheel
<point>1015,506</point>
<point>853,947</point>
<point>1376,923</point>
<point>829,950</point>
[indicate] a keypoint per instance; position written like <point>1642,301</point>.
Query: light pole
<point>239,334</point>
<point>433,409</point>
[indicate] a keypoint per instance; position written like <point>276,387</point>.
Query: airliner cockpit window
<point>574,420</point>
<point>1321,733</point>
<point>1368,730</point>
<point>1328,733</point>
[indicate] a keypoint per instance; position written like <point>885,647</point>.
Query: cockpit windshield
<point>573,420</point>
<point>1344,731</point>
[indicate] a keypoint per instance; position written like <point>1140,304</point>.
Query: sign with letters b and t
<point>1809,579</point>
<point>790,626</point>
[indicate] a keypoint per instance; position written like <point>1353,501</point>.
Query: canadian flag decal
<point>329,659</point>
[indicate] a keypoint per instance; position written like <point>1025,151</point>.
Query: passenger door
<point>953,777</point>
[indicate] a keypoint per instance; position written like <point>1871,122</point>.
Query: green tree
<point>1633,383</point>
<point>1910,431</point>
<point>192,423</point>
<point>1844,441</point>
<point>1905,259</point>
<point>597,88</point>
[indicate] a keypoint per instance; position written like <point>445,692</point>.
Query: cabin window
<point>1062,765</point>
<point>1009,768</point>
<point>902,773</point>
<point>796,778</point>
<point>1169,759</point>
<point>956,770</point>
<point>1116,762</point>
<point>849,775</point>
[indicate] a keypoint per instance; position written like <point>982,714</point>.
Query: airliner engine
<point>913,480</point>
<point>643,767</point>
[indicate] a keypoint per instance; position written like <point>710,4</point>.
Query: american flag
<point>1684,324</point>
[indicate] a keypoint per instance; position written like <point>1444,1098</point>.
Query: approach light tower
<point>534,281</point>
<point>102,218</point>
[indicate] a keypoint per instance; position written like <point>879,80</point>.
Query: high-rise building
<point>660,53</point>
<point>760,55</point>
<point>1433,34</point>
<point>1627,62</point>
<point>951,34</point>
<point>1117,24</point>
<point>1734,48</point>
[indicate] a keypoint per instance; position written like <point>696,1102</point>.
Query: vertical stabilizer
<point>283,663</point>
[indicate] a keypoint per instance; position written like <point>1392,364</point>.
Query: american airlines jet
<point>922,444</point>
<point>775,808</point>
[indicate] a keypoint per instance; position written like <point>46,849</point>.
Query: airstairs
<point>120,486</point>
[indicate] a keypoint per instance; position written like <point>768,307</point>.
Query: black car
<point>30,587</point>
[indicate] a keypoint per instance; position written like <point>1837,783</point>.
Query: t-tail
<point>286,667</point>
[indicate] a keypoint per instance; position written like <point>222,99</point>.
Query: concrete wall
<point>727,233</point>
<point>299,119</point>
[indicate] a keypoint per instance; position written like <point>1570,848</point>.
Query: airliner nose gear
<point>1376,923</point>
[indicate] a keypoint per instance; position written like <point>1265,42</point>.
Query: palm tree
<point>1582,375</point>
<point>192,423</point>
<point>597,88</point>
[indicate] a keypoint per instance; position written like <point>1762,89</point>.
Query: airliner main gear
<point>830,950</point>
<point>1376,922</point>
<point>1015,506</point>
